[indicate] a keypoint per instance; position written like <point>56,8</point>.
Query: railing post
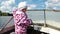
<point>44,18</point>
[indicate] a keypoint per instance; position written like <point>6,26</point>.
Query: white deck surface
<point>50,30</point>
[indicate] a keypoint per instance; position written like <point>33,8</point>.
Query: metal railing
<point>44,13</point>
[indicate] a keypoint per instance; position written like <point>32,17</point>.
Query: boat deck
<point>30,30</point>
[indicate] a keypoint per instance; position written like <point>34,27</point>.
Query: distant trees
<point>10,14</point>
<point>4,14</point>
<point>0,13</point>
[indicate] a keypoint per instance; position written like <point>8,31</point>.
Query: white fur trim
<point>18,12</point>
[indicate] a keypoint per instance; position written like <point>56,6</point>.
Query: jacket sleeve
<point>25,21</point>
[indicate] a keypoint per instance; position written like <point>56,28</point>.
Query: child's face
<point>24,10</point>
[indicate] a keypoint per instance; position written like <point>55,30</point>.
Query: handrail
<point>44,9</point>
<point>6,23</point>
<point>44,18</point>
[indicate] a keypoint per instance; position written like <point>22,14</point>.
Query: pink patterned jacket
<point>21,21</point>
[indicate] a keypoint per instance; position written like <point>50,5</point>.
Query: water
<point>53,18</point>
<point>4,20</point>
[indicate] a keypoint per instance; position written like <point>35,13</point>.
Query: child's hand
<point>30,21</point>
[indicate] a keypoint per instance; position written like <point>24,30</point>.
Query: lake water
<point>52,18</point>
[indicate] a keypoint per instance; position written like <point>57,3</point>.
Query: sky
<point>10,5</point>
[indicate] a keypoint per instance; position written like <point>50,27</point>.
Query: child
<point>20,19</point>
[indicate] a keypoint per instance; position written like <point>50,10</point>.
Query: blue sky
<point>10,5</point>
<point>38,3</point>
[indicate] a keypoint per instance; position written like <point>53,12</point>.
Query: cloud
<point>52,4</point>
<point>32,6</point>
<point>6,5</point>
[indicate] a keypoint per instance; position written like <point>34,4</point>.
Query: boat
<point>41,28</point>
